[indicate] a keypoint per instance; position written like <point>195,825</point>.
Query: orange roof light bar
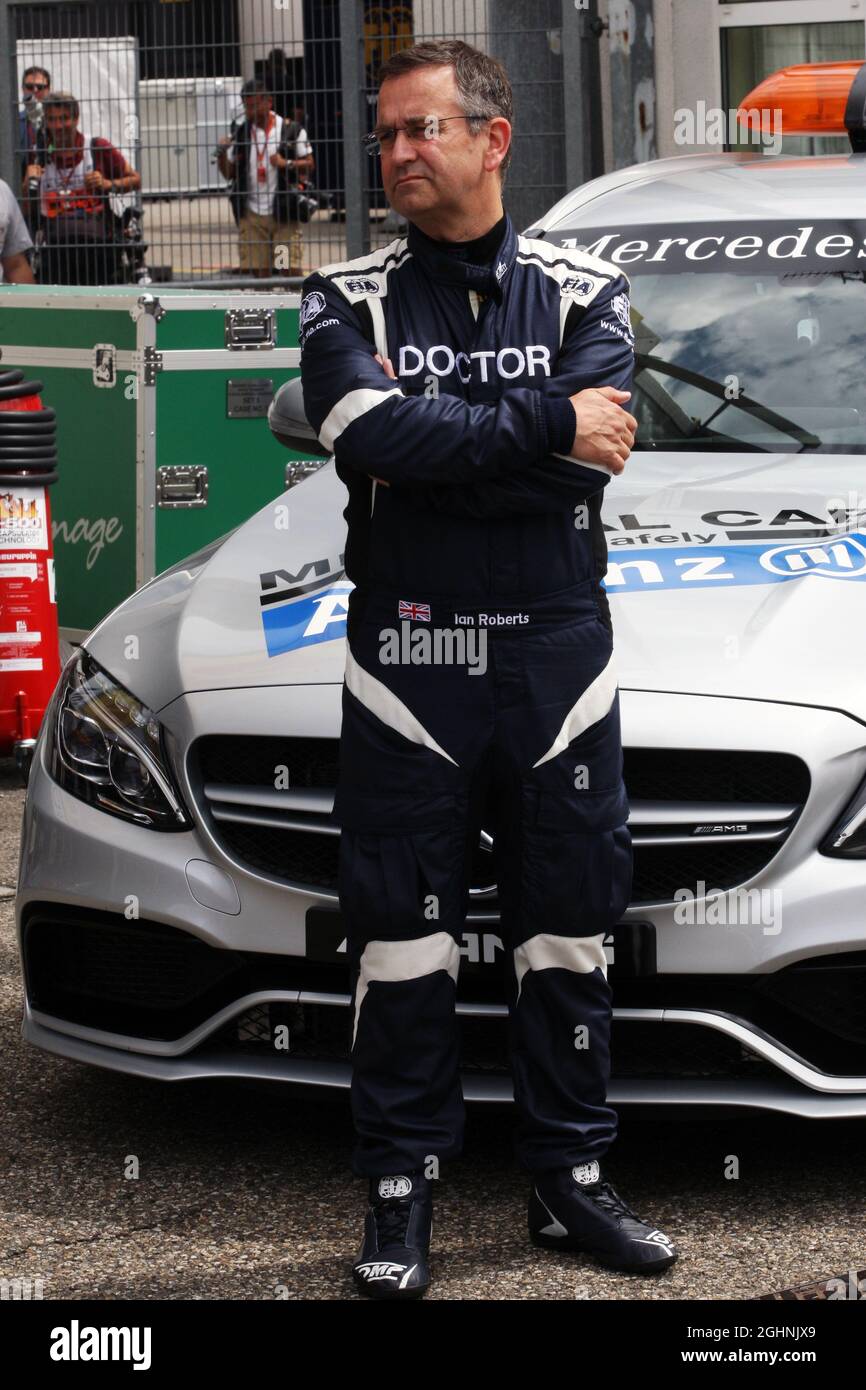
<point>814,99</point>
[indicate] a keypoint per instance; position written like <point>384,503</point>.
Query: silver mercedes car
<point>177,903</point>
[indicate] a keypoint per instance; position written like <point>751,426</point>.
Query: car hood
<point>740,575</point>
<point>265,606</point>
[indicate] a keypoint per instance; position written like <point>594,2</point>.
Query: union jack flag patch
<point>418,612</point>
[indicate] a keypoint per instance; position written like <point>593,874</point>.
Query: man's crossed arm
<point>533,450</point>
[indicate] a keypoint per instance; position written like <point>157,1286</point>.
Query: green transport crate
<point>162,437</point>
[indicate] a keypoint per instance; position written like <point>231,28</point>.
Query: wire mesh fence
<point>219,141</point>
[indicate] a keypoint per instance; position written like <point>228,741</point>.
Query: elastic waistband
<point>512,615</point>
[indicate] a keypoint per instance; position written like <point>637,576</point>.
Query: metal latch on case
<point>250,328</point>
<point>181,485</point>
<point>299,469</point>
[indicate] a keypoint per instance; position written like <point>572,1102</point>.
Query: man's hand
<point>224,164</point>
<point>605,430</point>
<point>17,269</point>
<point>95,182</point>
<point>34,171</point>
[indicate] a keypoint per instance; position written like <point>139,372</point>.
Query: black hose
<point>28,447</point>
<point>33,418</point>
<point>36,437</point>
<point>28,465</point>
<point>36,440</point>
<point>11,458</point>
<point>24,477</point>
<point>36,416</point>
<point>14,390</point>
<point>30,417</point>
<point>27,419</point>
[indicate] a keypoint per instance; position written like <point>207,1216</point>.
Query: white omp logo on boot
<point>395,1187</point>
<point>586,1172</point>
<point>659,1238</point>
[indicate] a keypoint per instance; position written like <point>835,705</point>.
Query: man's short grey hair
<point>61,99</point>
<point>482,83</point>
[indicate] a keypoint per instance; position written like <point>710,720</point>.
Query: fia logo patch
<point>311,306</point>
<point>363,286</point>
<point>395,1187</point>
<point>586,1172</point>
<point>580,286</point>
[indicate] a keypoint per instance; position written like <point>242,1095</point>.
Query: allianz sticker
<point>303,622</point>
<point>841,558</point>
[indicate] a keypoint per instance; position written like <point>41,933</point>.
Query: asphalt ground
<point>245,1192</point>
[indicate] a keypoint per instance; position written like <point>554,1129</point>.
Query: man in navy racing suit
<point>471,383</point>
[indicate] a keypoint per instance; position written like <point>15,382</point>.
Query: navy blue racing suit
<point>479,683</point>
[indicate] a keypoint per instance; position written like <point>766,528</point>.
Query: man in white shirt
<point>263,159</point>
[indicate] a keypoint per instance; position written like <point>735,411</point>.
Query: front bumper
<point>714,1048</point>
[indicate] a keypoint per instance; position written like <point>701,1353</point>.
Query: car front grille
<point>715,817</point>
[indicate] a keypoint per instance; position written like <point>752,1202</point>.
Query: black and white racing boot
<point>397,1227</point>
<point>576,1209</point>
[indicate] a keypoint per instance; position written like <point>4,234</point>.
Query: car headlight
<point>847,839</point>
<point>106,747</point>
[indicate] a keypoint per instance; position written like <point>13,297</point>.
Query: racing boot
<point>576,1209</point>
<point>397,1226</point>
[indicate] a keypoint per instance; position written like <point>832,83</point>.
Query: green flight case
<point>162,435</point>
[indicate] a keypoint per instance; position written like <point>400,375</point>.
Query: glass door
<point>759,38</point>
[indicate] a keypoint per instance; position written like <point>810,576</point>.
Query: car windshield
<point>765,353</point>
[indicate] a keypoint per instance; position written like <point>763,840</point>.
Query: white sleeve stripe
<point>377,314</point>
<point>349,408</point>
<point>581,463</point>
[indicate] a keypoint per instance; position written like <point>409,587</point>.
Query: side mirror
<point>289,424</point>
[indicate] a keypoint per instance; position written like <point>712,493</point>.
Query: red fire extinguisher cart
<point>29,644</point>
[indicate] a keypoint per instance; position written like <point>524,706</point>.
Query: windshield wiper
<point>713,388</point>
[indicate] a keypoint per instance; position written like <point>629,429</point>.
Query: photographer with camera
<point>72,176</point>
<point>35,86</point>
<point>262,159</point>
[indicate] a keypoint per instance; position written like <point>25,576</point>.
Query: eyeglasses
<point>36,86</point>
<point>423,128</point>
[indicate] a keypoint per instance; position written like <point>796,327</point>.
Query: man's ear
<point>499,140</point>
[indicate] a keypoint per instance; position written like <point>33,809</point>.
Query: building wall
<point>688,68</point>
<point>448,19</point>
<point>262,27</point>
